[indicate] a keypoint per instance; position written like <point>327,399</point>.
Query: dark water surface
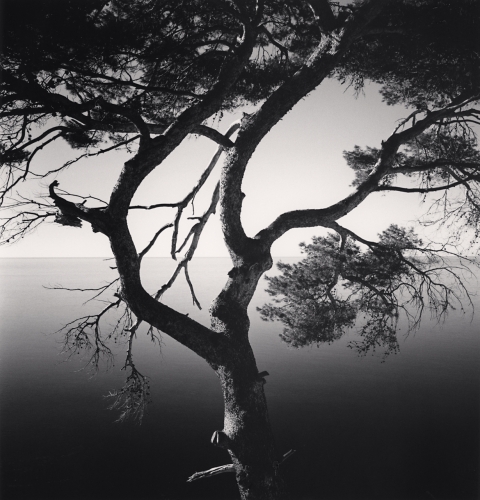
<point>404,429</point>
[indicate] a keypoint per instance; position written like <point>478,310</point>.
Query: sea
<point>363,427</point>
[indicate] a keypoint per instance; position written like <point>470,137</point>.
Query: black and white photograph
<point>239,250</point>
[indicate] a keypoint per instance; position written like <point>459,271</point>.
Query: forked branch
<point>194,235</point>
<point>132,399</point>
<point>84,335</point>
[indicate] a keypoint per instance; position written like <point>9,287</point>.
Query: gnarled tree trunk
<point>247,433</point>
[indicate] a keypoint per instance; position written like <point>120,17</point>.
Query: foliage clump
<point>338,285</point>
<point>429,53</point>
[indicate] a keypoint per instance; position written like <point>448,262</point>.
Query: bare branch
<point>101,289</point>
<point>83,197</point>
<point>194,298</point>
<point>132,399</point>
<point>88,155</point>
<point>195,234</point>
<point>190,196</point>
<point>211,472</point>
<point>230,468</point>
<point>24,216</point>
<point>154,239</point>
<point>84,334</point>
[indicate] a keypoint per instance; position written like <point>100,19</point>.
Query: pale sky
<point>298,165</point>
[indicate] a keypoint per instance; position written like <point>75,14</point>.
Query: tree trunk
<point>247,434</point>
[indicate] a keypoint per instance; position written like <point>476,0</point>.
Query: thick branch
<point>255,127</point>
<point>203,341</point>
<point>324,217</point>
<point>159,148</point>
<point>32,91</point>
<point>214,135</point>
<point>95,216</point>
<point>131,115</point>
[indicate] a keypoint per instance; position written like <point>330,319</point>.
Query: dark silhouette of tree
<point>322,296</point>
<point>142,75</point>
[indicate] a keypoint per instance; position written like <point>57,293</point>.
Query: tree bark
<point>247,433</point>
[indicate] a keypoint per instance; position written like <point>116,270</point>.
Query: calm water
<point>404,429</point>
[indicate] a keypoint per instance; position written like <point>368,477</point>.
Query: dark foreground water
<point>404,429</point>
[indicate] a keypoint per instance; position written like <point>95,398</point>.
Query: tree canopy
<point>140,76</point>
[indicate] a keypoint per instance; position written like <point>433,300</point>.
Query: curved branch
<point>255,127</point>
<point>203,178</point>
<point>154,239</point>
<point>131,115</point>
<point>384,166</point>
<point>206,343</point>
<point>144,162</point>
<point>42,136</point>
<point>214,135</point>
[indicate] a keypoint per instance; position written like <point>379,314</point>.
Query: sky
<point>298,165</point>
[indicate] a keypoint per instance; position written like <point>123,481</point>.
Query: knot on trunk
<point>220,439</point>
<point>261,377</point>
<point>228,316</point>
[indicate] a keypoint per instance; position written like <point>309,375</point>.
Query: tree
<point>70,74</point>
